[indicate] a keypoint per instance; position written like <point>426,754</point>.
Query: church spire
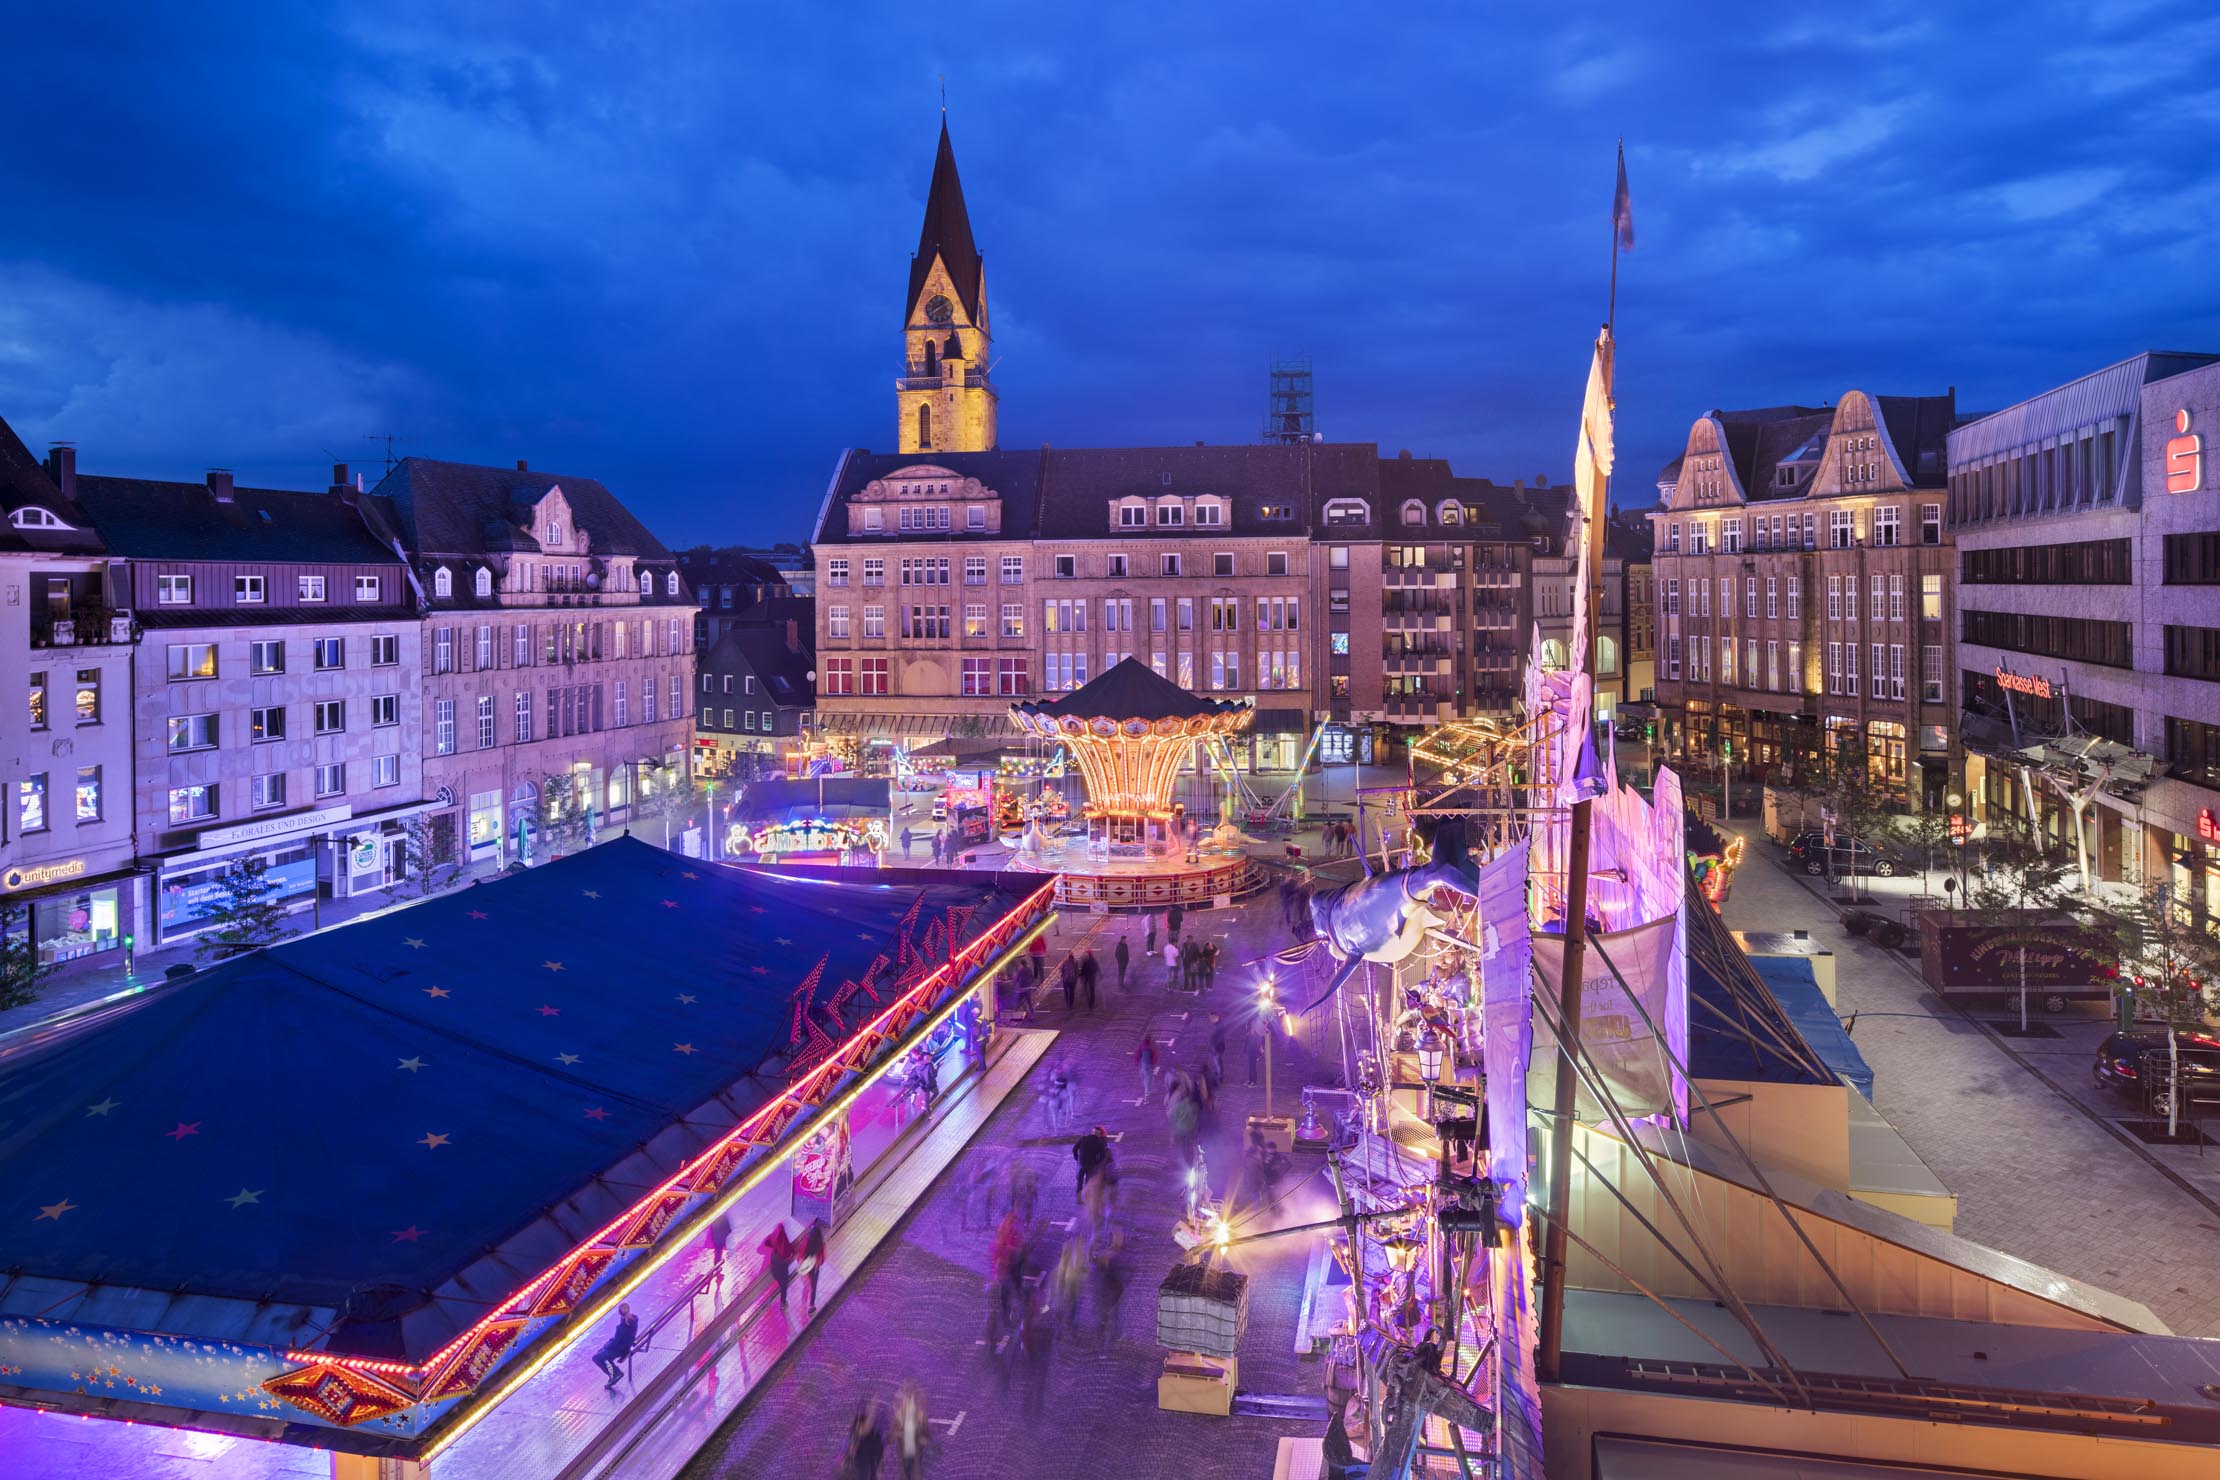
<point>947,233</point>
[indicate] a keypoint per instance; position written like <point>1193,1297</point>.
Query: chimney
<point>340,483</point>
<point>61,466</point>
<point>219,484</point>
<point>793,635</point>
<point>522,466</point>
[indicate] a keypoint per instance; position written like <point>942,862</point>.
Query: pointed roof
<point>1130,689</point>
<point>947,234</point>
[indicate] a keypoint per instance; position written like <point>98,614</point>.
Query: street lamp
<point>1266,1008</point>
<point>1430,1050</point>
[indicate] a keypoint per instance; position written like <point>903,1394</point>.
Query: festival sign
<point>822,1172</point>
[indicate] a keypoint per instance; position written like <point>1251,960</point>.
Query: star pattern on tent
<point>103,1107</point>
<point>412,1064</point>
<point>688,998</point>
<point>595,1112</point>
<point>413,942</point>
<point>546,1010</point>
<point>433,1140</point>
<point>684,1048</point>
<point>756,909</point>
<point>184,1128</point>
<point>243,1197</point>
<point>670,904</point>
<point>689,874</point>
<point>566,1058</point>
<point>553,966</point>
<point>55,1210</point>
<point>591,893</point>
<point>437,992</point>
<point>784,941</point>
<point>480,915</point>
<point>760,970</point>
<point>408,1235</point>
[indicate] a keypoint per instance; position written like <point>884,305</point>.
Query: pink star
<point>478,915</point>
<point>183,1130</point>
<point>437,992</point>
<point>546,1011</point>
<point>597,1113</point>
<point>670,904</point>
<point>408,1235</point>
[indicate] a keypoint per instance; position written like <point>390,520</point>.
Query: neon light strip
<point>633,1278</point>
<point>797,1092</point>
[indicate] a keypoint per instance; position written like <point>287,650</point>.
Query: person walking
<point>1068,975</point>
<point>778,1257</point>
<point>1091,1151</point>
<point>1123,955</point>
<point>1145,1058</point>
<point>1218,1046</point>
<point>909,837</point>
<point>1210,964</point>
<point>813,1261</point>
<point>1109,1294</point>
<point>1148,946</point>
<point>1090,977</point>
<point>1171,965</point>
<point>912,1431</point>
<point>865,1444</point>
<point>720,1235</point>
<point>619,1345</point>
<point>1172,919</point>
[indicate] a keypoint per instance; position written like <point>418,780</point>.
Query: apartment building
<point>2087,526</point>
<point>67,879</point>
<point>757,697</point>
<point>556,644</point>
<point>275,704</point>
<point>1804,579</point>
<point>739,587</point>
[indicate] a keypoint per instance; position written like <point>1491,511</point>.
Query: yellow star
<point>242,1198</point>
<point>55,1210</point>
<point>433,1140</point>
<point>685,1048</point>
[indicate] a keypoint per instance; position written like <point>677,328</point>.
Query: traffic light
<point>1649,731</point>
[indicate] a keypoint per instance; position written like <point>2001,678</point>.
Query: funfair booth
<point>354,1193</point>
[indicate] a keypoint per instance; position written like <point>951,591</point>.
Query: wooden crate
<point>1194,1383</point>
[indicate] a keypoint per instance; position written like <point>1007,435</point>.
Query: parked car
<point>2119,1063</point>
<point>1809,852</point>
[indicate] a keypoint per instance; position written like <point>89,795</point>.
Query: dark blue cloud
<point>665,244</point>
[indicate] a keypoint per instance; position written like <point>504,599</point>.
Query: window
<point>331,652</point>
<point>840,674</point>
<point>1840,529</point>
<point>1879,670</point>
<point>621,719</point>
<point>331,716</point>
<point>483,656</point>
<point>385,647</point>
<point>975,619</point>
<point>1772,664</point>
<point>670,583</point>
<point>1672,657</point>
<point>975,517</point>
<point>836,621</point>
<point>1067,566</point>
<point>1896,597</point>
<point>331,780</point>
<point>749,714</point>
<point>1834,667</point>
<point>1672,535</point>
<point>836,573</point>
<point>1169,513</point>
<point>1118,566</point>
<point>1186,615</point>
<point>1795,598</point>
<point>30,804</point>
<point>678,704</point>
<point>1209,513</point>
<point>1930,673</point>
<point>485,719</point>
<point>1013,570</point>
<point>192,660</point>
<point>1010,677</point>
<point>1850,668</point>
<point>1672,596</point>
<point>1749,596</point>
<point>1849,598</point>
<point>385,770</point>
<point>978,677</point>
<point>266,724</point>
<point>874,572</point>
<point>1726,660</point>
<point>874,621</point>
<point>1170,565</point>
<point>675,641</point>
<point>192,732</point>
<point>1887,525</point>
<point>1772,597</point>
<point>481,582</point>
<point>1013,619</point>
<point>311,588</point>
<point>269,791</point>
<point>87,696</point>
<point>1896,670</point>
<point>2082,639</point>
<point>88,794</point>
<point>173,590</point>
<point>249,590</point>
<point>443,583</point>
<point>37,698</point>
<point>192,804</point>
<point>975,570</point>
<point>1221,564</point>
<point>1930,524</point>
<point>523,716</point>
<point>1730,536</point>
<point>266,655</point>
<point>370,588</point>
<point>871,675</point>
<point>1880,603</point>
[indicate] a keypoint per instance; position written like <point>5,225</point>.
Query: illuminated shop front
<point>69,912</point>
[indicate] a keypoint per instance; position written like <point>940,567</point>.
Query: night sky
<point>665,244</point>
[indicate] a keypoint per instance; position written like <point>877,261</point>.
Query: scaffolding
<point>1288,415</point>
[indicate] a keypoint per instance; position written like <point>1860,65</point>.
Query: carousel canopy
<point>1131,690</point>
<point>373,1134</point>
<point>781,800</point>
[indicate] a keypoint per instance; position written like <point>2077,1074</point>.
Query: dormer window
<point>554,533</point>
<point>1132,516</point>
<point>647,583</point>
<point>1209,511</point>
<point>670,584</point>
<point>32,517</point>
<point>1446,511</point>
<point>1170,513</point>
<point>1348,511</point>
<point>482,583</point>
<point>443,583</point>
<point>1414,512</point>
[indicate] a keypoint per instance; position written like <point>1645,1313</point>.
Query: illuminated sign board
<point>2185,457</point>
<point>54,873</point>
<point>2207,829</point>
<point>2023,683</point>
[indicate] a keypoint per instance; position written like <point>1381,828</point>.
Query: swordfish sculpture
<point>1383,916</point>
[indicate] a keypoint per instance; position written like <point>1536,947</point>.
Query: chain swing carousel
<point>1131,732</point>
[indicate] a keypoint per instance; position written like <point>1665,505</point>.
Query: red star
<point>478,914</point>
<point>760,970</point>
<point>546,1011</point>
<point>670,904</point>
<point>183,1130</point>
<point>597,1113</point>
<point>408,1235</point>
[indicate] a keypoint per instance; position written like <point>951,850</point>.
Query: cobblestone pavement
<point>917,1309</point>
<point>2015,1126</point>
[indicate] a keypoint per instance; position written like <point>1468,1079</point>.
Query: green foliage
<point>21,971</point>
<point>248,914</point>
<point>562,814</point>
<point>431,855</point>
<point>2030,895</point>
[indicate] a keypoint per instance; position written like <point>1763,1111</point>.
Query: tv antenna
<point>387,439</point>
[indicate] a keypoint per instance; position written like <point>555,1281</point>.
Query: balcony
<point>92,627</point>
<point>940,382</point>
<point>1434,575</point>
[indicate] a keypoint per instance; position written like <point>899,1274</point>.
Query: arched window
<point>1553,653</point>
<point>1414,512</point>
<point>1607,654</point>
<point>1446,511</point>
<point>924,427</point>
<point>482,582</point>
<point>670,584</point>
<point>932,357</point>
<point>647,583</point>
<point>443,583</point>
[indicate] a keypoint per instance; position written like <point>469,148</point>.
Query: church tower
<point>942,399</point>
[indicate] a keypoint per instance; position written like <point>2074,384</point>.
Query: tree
<point>248,914</point>
<point>2028,896</point>
<point>431,855</point>
<point>564,813</point>
<point>2173,968</point>
<point>662,794</point>
<point>21,970</point>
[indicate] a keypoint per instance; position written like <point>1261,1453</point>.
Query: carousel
<point>1130,732</point>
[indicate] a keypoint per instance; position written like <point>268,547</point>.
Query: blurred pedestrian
<point>865,1444</point>
<point>1068,976</point>
<point>1171,964</point>
<point>719,1235</point>
<point>1091,1151</point>
<point>778,1257</point>
<point>1145,1057</point>
<point>909,837</point>
<point>1148,946</point>
<point>1108,1293</point>
<point>1253,1040</point>
<point>1218,1045</point>
<point>1123,955</point>
<point>1209,965</point>
<point>813,1261</point>
<point>1172,919</point>
<point>1090,975</point>
<point>912,1431</point>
